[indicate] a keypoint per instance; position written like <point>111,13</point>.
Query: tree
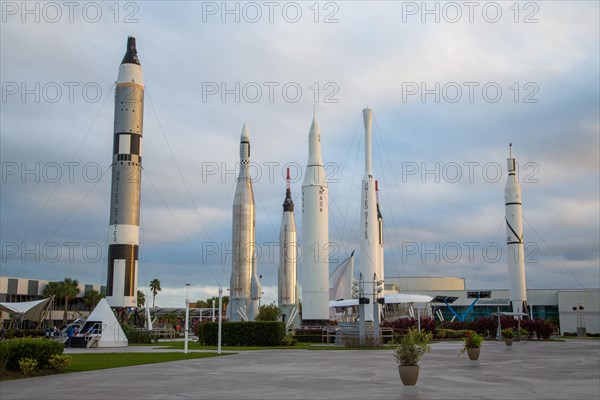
<point>155,287</point>
<point>202,304</point>
<point>66,291</point>
<point>208,303</point>
<point>268,312</point>
<point>91,298</point>
<point>141,298</point>
<point>70,291</point>
<point>54,289</point>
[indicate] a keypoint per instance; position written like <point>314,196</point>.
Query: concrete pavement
<point>532,370</point>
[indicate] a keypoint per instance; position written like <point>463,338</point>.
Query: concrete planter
<point>473,353</point>
<point>508,342</point>
<point>409,374</point>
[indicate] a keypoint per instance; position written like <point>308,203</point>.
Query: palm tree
<point>65,290</point>
<point>91,298</point>
<point>141,298</point>
<point>155,287</point>
<point>69,291</point>
<point>53,289</point>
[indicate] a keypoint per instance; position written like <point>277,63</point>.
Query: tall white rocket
<point>244,284</point>
<point>288,251</point>
<point>369,240</point>
<point>124,219</point>
<point>315,233</point>
<point>514,238</point>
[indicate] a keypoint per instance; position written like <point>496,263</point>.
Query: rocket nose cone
<point>245,134</point>
<point>314,126</point>
<point>131,54</point>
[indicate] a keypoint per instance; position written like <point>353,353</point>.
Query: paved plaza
<point>532,370</point>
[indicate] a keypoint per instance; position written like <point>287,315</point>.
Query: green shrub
<point>409,348</point>
<point>40,350</point>
<point>450,334</point>
<point>523,332</point>
<point>20,333</point>
<point>138,336</point>
<point>507,333</point>
<point>58,362</point>
<point>28,365</point>
<point>242,333</point>
<point>288,340</point>
<point>472,341</point>
<point>268,312</point>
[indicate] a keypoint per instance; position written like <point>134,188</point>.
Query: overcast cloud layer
<point>448,97</point>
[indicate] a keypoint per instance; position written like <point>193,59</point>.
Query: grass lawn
<point>90,362</point>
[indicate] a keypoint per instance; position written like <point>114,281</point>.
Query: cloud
<point>191,138</point>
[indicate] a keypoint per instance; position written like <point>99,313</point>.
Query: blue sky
<point>448,97</point>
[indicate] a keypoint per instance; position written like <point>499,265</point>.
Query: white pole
<point>187,317</point>
<point>213,310</point>
<point>375,313</point>
<point>220,318</point>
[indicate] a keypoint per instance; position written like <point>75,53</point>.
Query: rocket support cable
<point>176,221</point>
<point>559,260</point>
<point>482,261</point>
<point>64,221</point>
<point>59,182</point>
<point>403,206</point>
<point>175,161</point>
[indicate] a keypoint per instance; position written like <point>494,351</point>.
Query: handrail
<point>93,330</point>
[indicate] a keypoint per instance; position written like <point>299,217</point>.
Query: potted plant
<point>408,350</point>
<point>507,334</point>
<point>472,346</point>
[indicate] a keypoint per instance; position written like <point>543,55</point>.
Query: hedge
<point>19,333</point>
<point>138,336</point>
<point>11,351</point>
<point>267,333</point>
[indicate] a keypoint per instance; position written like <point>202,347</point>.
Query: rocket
<point>369,240</point>
<point>244,284</point>
<point>124,219</point>
<point>514,238</point>
<point>315,233</point>
<point>287,287</point>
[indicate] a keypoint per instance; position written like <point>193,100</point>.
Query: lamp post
<point>187,316</point>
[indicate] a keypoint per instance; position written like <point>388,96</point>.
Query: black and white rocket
<point>245,284</point>
<point>288,251</point>
<point>514,239</point>
<point>124,225</point>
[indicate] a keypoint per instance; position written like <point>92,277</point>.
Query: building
<point>23,289</point>
<point>555,304</point>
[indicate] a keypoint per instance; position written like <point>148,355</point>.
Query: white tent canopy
<point>29,310</point>
<point>390,298</point>
<point>398,298</point>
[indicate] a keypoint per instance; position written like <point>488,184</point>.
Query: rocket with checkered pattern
<point>124,225</point>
